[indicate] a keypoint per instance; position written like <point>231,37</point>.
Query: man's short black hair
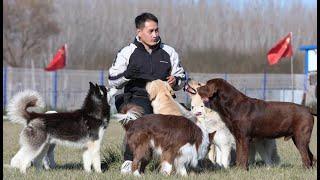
<point>142,18</point>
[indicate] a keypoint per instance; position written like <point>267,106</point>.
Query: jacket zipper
<point>150,59</point>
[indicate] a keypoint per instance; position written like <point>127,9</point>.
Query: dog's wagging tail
<point>128,113</point>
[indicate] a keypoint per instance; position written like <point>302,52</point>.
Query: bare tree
<point>210,36</point>
<point>27,26</point>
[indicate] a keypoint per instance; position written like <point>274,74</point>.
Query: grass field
<point>69,161</point>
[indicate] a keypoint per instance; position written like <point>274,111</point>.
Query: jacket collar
<point>138,43</point>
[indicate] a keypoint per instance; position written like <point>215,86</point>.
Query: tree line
<point>210,36</point>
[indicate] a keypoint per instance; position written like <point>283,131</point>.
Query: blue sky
<point>310,2</point>
<point>306,2</point>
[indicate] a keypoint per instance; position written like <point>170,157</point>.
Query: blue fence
<point>66,89</point>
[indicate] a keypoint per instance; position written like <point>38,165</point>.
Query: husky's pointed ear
<point>103,89</point>
<point>91,85</point>
<point>97,89</point>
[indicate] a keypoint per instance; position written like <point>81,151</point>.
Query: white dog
<point>223,141</point>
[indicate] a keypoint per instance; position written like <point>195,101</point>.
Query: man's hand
<point>132,72</point>
<point>171,80</point>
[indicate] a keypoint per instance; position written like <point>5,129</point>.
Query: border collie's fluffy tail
<point>129,112</point>
<point>17,107</point>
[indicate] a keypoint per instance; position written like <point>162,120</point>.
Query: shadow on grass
<point>206,165</point>
<point>113,158</point>
<point>261,163</point>
<point>73,166</point>
<point>258,163</point>
<point>286,166</point>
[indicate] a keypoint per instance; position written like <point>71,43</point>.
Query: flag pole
<point>292,79</point>
<point>264,81</point>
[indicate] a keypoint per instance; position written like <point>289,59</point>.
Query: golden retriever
<point>160,95</point>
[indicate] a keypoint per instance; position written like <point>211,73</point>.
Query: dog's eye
<point>192,107</point>
<point>201,106</point>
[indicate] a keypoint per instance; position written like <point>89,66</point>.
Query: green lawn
<point>69,161</point>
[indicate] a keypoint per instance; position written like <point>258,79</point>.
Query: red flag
<point>58,61</point>
<point>283,48</point>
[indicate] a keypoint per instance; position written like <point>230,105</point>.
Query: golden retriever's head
<point>158,86</point>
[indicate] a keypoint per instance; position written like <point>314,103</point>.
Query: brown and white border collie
<point>177,140</point>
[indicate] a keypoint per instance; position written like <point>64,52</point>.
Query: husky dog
<point>82,128</point>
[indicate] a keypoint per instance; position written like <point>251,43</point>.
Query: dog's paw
<point>98,170</point>
<point>136,173</point>
<point>23,170</point>
<point>14,162</point>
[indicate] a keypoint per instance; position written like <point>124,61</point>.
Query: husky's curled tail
<point>82,128</point>
<point>18,105</point>
<point>128,113</point>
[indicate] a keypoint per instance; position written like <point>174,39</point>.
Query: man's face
<point>149,34</point>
